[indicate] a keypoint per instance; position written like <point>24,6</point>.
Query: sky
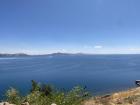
<point>70,26</point>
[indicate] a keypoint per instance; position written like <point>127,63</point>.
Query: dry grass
<point>129,97</point>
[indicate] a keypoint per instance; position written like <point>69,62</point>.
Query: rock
<point>53,104</point>
<point>25,103</point>
<point>6,103</point>
<point>119,101</point>
<point>116,95</point>
<point>137,103</point>
<point>106,96</point>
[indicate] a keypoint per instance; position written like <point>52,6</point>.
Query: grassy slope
<point>129,97</point>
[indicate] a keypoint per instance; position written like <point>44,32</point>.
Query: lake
<point>99,73</point>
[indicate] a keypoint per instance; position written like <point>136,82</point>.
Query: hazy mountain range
<point>13,55</point>
<point>53,54</point>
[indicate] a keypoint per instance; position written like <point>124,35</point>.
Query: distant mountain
<point>58,54</point>
<point>65,54</point>
<point>53,54</point>
<point>13,55</point>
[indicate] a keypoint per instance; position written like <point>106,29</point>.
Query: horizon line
<point>75,53</point>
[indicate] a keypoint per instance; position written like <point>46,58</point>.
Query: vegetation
<point>43,94</point>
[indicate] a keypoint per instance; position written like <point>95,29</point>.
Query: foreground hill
<point>129,97</point>
<point>43,94</point>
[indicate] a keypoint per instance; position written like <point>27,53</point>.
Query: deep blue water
<point>100,73</point>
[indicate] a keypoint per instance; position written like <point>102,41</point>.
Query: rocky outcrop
<point>6,103</point>
<point>26,103</point>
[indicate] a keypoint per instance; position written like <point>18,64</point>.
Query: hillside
<point>129,97</point>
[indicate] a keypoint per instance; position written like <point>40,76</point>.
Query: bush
<point>46,95</point>
<point>13,96</point>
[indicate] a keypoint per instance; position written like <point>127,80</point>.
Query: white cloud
<point>98,47</point>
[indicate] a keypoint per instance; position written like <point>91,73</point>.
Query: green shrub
<point>13,96</point>
<point>35,86</point>
<point>46,95</point>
